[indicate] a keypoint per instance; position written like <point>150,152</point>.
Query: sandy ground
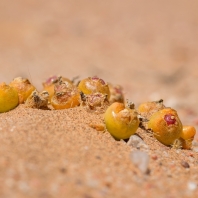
<point>57,154</point>
<point>148,47</point>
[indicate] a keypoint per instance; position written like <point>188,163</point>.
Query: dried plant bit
<point>97,102</point>
<point>54,79</point>
<point>177,144</point>
<point>116,93</point>
<point>130,105</point>
<point>143,122</point>
<point>75,80</point>
<point>148,108</point>
<point>23,87</point>
<point>187,136</point>
<point>38,100</point>
<point>9,98</point>
<point>166,126</point>
<point>83,97</point>
<point>142,119</point>
<point>121,121</point>
<point>97,126</point>
<point>66,95</point>
<point>51,81</point>
<point>62,86</point>
<point>92,85</point>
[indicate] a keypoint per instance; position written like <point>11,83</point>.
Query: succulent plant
<point>93,85</point>
<point>49,84</point>
<point>166,126</point>
<point>121,121</point>
<point>23,87</point>
<point>187,136</point>
<point>9,98</point>
<point>66,95</point>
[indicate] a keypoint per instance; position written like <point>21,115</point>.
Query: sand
<point>55,153</point>
<point>148,47</point>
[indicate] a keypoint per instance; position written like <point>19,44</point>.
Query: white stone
<point>195,149</point>
<point>192,186</point>
<point>141,160</point>
<point>137,142</point>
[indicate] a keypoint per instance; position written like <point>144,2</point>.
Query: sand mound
<point>57,154</point>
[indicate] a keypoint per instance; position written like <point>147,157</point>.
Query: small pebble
<point>165,154</point>
<point>134,140</point>
<point>154,157</point>
<point>141,160</point>
<point>86,147</point>
<point>195,149</point>
<point>195,143</point>
<point>178,151</point>
<point>185,164</point>
<point>63,170</point>
<point>190,154</point>
<point>23,186</point>
<point>137,142</point>
<point>192,186</point>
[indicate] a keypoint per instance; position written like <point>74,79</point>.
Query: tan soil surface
<point>148,47</point>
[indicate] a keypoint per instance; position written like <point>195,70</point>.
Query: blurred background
<point>150,48</point>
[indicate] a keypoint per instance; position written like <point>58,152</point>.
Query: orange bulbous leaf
<point>146,109</point>
<point>48,85</point>
<point>23,87</point>
<point>166,126</point>
<point>186,144</point>
<point>94,85</point>
<point>9,98</point>
<point>188,132</point>
<point>121,121</point>
<point>66,95</point>
<point>187,136</point>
